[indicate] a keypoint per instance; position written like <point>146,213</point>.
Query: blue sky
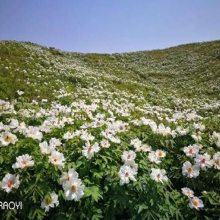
<point>110,25</point>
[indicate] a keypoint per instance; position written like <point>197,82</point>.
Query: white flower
<point>192,150</point>
<point>68,135</point>
<point>14,123</point>
<point>114,139</point>
<point>187,192</point>
<point>197,137</point>
<point>105,143</point>
<point>160,153</point>
<point>45,148</point>
<point>57,158</point>
<point>54,142</point>
<point>204,161</point>
<point>136,143</point>
<point>153,157</point>
<point>19,92</point>
<point>9,182</point>
<point>159,175</point>
<point>66,176</point>
<point>128,156</point>
<point>21,128</point>
<point>182,131</point>
<point>163,130</point>
<point>89,150</point>
<point>199,127</point>
<point>73,189</point>
<point>146,148</point>
<point>216,160</point>
<point>216,138</point>
<point>23,161</point>
<point>127,173</point>
<point>33,132</point>
<point>196,203</point>
<point>133,165</point>
<point>190,170</point>
<point>50,201</point>
<point>86,136</point>
<point>8,138</point>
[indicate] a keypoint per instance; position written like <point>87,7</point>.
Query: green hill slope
<point>187,71</point>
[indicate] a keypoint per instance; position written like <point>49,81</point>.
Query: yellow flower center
<point>217,162</point>
<point>203,161</point>
<point>24,162</point>
<point>89,149</point>
<point>7,139</point>
<point>158,176</point>
<point>73,188</point>
<point>189,170</point>
<point>195,203</point>
<point>48,199</point>
<point>10,183</point>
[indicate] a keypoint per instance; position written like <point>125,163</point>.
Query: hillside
<point>90,111</point>
<point>174,71</point>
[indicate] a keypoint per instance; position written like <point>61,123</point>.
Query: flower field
<point>120,136</point>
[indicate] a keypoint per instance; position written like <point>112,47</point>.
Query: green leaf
<point>94,192</point>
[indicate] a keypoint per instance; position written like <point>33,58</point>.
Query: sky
<point>107,26</point>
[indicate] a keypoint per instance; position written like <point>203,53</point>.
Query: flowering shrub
<point>101,152</point>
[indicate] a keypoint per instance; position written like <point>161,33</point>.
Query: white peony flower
<point>159,175</point>
<point>114,139</point>
<point>204,161</point>
<point>196,203</point>
<point>90,150</point>
<point>163,130</point>
<point>105,143</point>
<point>127,173</point>
<point>187,192</point>
<point>23,161</point>
<point>160,153</point>
<point>73,189</point>
<point>199,127</point>
<point>45,148</point>
<point>50,201</point>
<point>146,148</point>
<point>34,132</point>
<point>66,176</point>
<point>13,123</point>
<point>196,137</point>
<point>153,157</point>
<point>190,170</point>
<point>182,131</point>
<point>128,156</point>
<point>57,159</point>
<point>85,136</point>
<point>19,92</point>
<point>8,138</point>
<point>54,142</point>
<point>136,143</point>
<point>216,160</point>
<point>9,182</point>
<point>192,150</point>
<point>68,135</point>
<point>216,138</point>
